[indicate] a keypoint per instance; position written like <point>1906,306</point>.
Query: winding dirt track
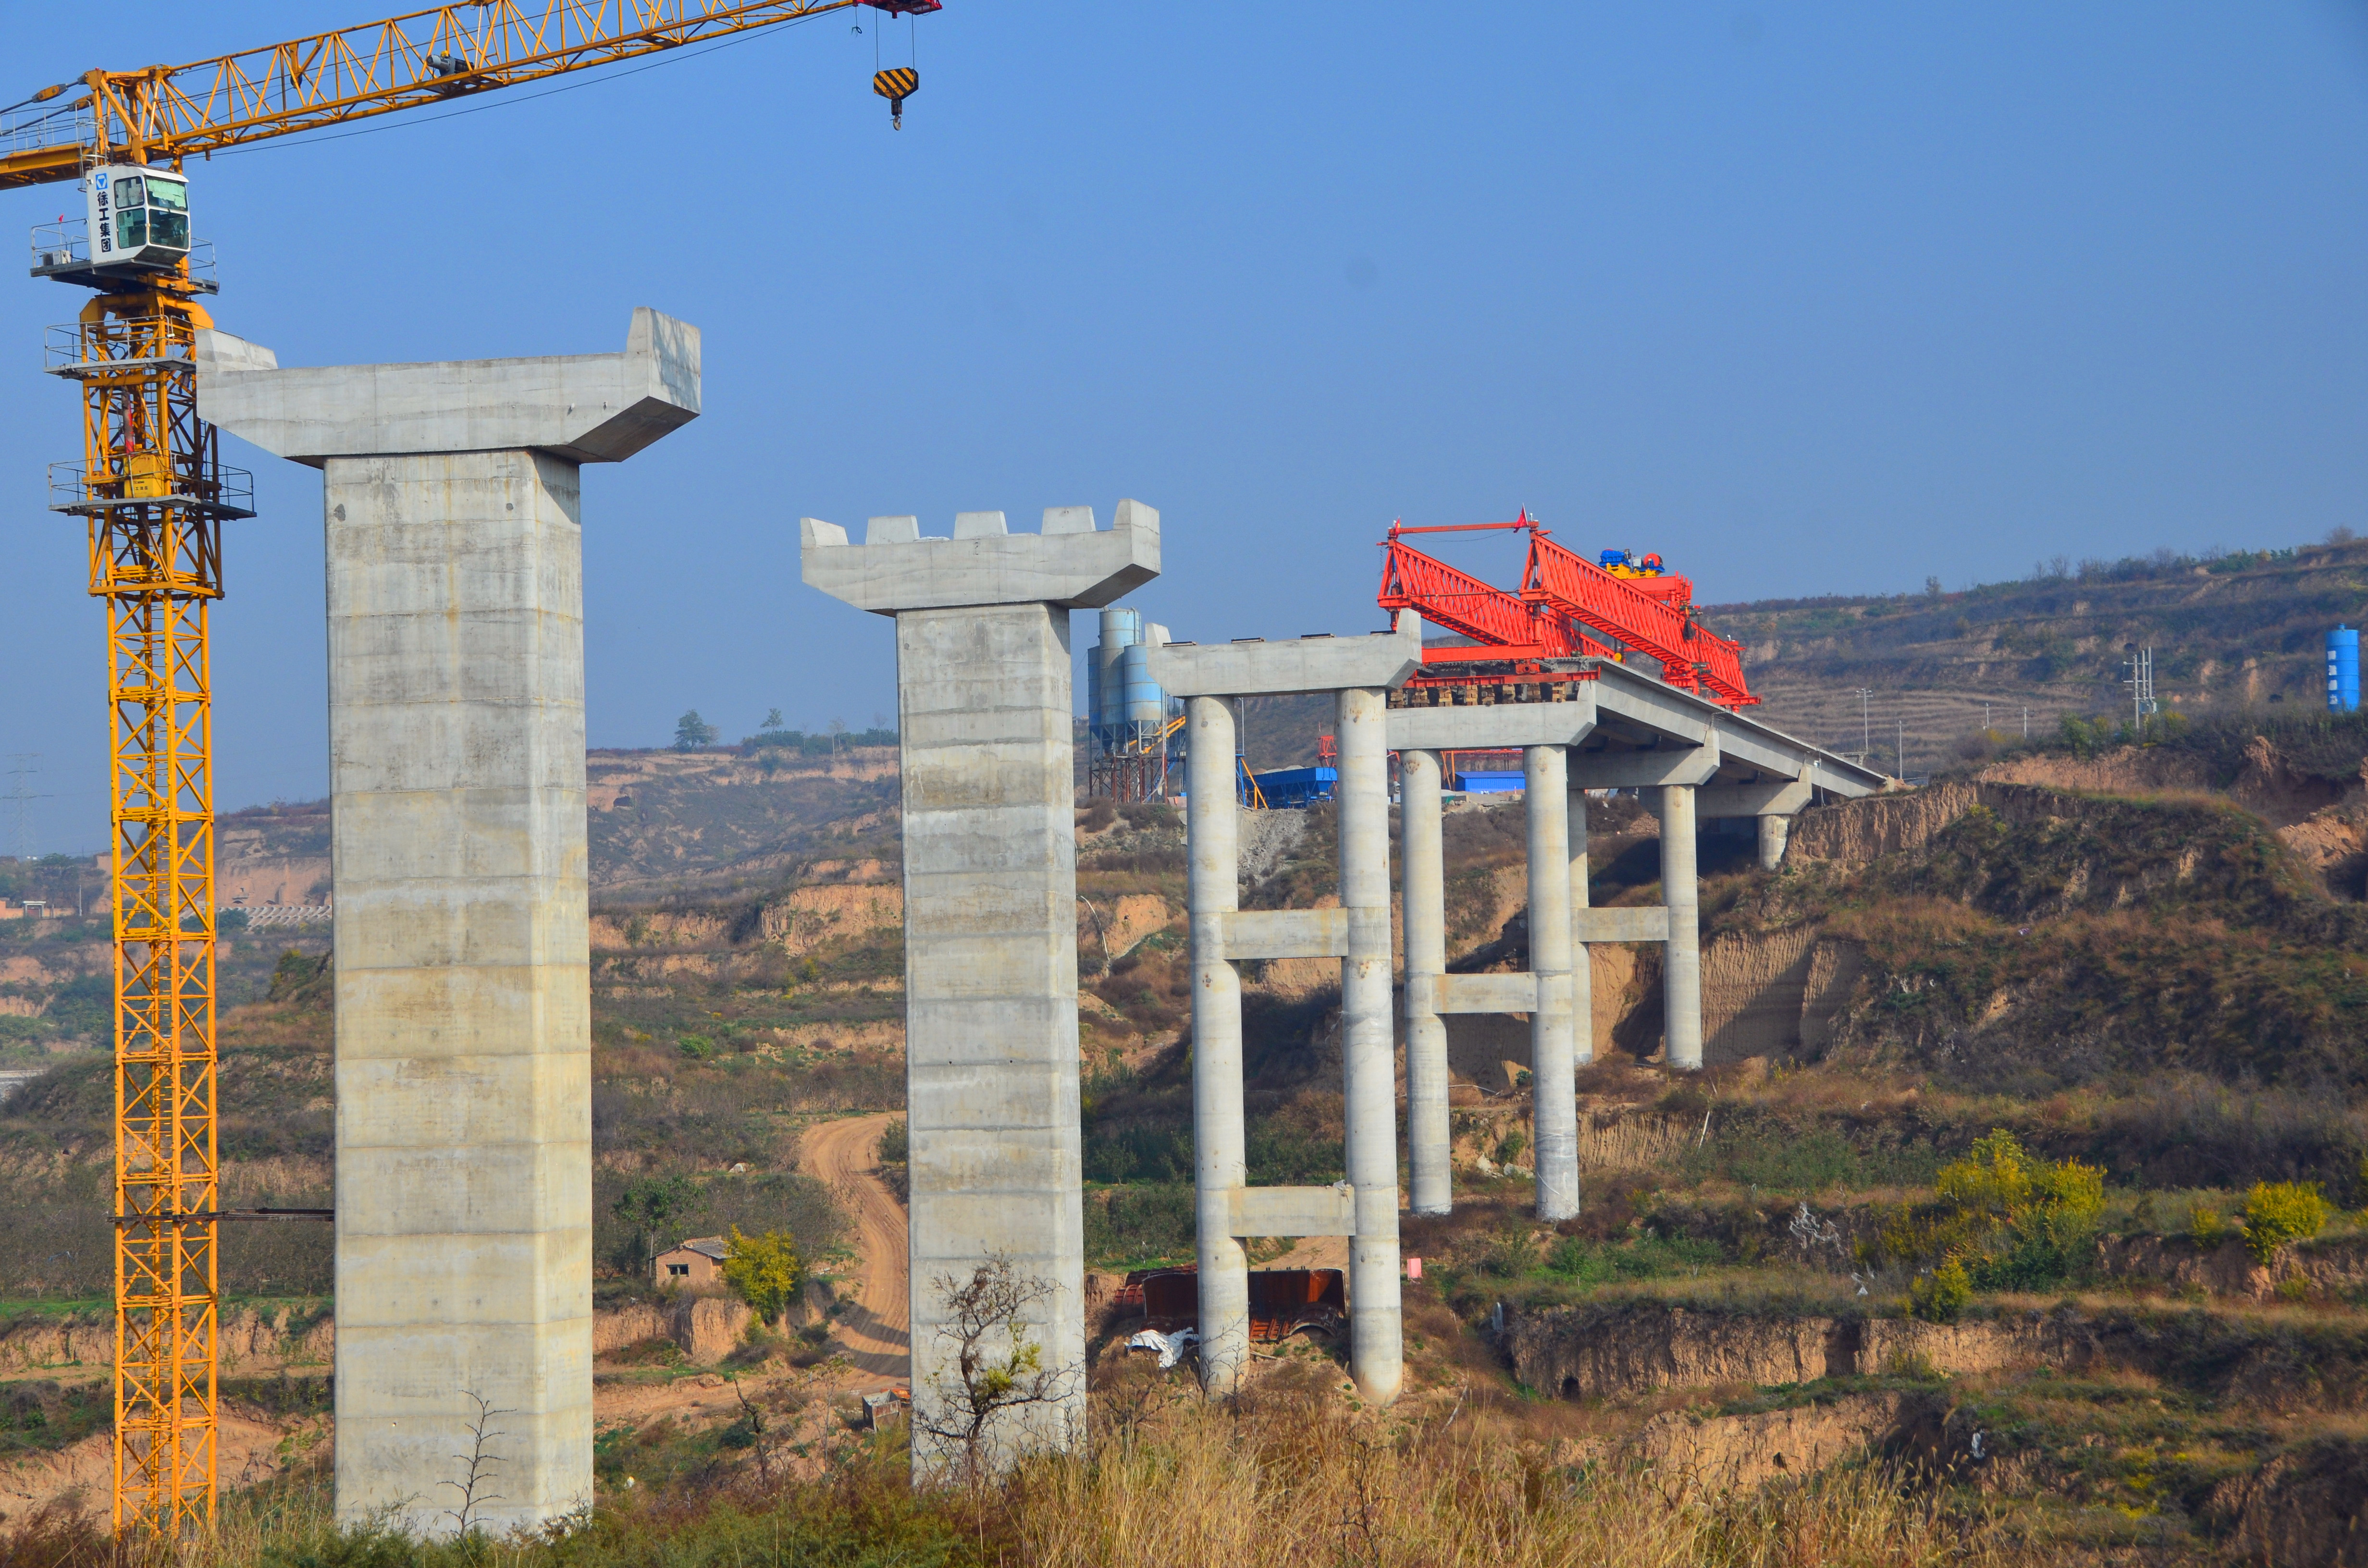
<point>877,1328</point>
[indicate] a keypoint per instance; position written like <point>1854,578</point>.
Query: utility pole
<point>17,796</point>
<point>1865,725</point>
<point>2026,723</point>
<point>1900,749</point>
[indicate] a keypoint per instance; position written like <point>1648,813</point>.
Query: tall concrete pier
<point>456,775</point>
<point>984,703</point>
<point>1361,671</point>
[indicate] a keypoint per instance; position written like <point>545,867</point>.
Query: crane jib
<point>165,113</point>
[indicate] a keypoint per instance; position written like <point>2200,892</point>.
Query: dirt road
<point>877,1329</point>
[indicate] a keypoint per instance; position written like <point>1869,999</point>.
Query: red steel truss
<point>1562,599</point>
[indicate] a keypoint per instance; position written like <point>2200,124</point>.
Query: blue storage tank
<point>1105,680</point>
<point>1140,699</point>
<point>2343,670</point>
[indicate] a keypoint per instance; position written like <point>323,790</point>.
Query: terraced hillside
<point>2239,629</point>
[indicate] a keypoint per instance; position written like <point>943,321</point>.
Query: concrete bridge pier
<point>455,778</point>
<point>1582,970</point>
<point>1360,670</point>
<point>1553,1049</point>
<point>1423,872</point>
<point>984,705</point>
<point>1545,731</point>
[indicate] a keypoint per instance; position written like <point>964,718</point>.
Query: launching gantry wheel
<point>896,85</point>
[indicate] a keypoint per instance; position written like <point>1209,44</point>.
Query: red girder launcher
<point>1567,608</point>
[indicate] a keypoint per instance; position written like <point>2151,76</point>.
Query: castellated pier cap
<point>1070,566</point>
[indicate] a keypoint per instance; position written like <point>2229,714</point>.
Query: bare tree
<point>480,1462</point>
<point>755,1416</point>
<point>998,1373</point>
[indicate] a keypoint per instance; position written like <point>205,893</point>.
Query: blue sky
<point>1810,298</point>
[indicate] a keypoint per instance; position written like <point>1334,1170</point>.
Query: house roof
<point>714,1247</point>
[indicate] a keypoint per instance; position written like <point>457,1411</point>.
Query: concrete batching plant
<point>1136,727</point>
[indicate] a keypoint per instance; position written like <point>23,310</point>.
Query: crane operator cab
<point>139,217</point>
<point>137,226</point>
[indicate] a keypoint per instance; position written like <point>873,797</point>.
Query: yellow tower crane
<point>155,493</point>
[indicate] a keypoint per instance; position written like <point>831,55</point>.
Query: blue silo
<point>1105,679</point>
<point>1141,701</point>
<point>2343,670</point>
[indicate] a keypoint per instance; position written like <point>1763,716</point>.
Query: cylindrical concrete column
<point>1376,1345</point>
<point>1212,831</point>
<point>1425,881</point>
<point>1545,779</point>
<point>1681,971</point>
<point>1582,969</point>
<point>1774,831</point>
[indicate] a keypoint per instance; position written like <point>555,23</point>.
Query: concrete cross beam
<point>984,705</point>
<point>456,781</point>
<point>1378,661</point>
<point>1069,565</point>
<point>1502,727</point>
<point>1361,671</point>
<point>580,408</point>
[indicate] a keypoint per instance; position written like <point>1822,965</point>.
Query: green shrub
<point>1940,1295</point>
<point>2004,1221</point>
<point>1602,1263</point>
<point>764,1271</point>
<point>895,1144</point>
<point>2205,1227</point>
<point>2277,1212</point>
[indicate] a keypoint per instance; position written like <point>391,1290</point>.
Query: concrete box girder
<point>1762,797</point>
<point>1643,769</point>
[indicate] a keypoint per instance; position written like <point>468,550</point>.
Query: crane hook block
<point>896,85</point>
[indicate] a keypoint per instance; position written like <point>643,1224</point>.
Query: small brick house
<point>695,1262</point>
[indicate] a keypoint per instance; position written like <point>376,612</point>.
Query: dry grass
<point>1289,1486</point>
<point>1287,1480</point>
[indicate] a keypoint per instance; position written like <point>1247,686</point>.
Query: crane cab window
<point>168,212</point>
<point>131,227</point>
<point>128,191</point>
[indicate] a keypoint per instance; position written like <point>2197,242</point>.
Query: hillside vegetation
<point>2230,630</point>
